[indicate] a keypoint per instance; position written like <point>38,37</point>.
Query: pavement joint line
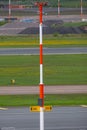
<point>2,108</point>
<point>84,106</point>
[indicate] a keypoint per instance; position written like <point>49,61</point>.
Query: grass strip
<point>51,3</point>
<point>2,23</point>
<point>75,24</point>
<point>54,100</point>
<point>55,40</point>
<point>58,70</point>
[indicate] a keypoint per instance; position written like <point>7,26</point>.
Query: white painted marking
<point>7,128</point>
<point>83,105</point>
<point>2,108</point>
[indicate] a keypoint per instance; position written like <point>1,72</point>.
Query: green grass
<point>57,40</point>
<point>70,24</point>
<point>58,69</point>
<point>75,24</point>
<point>54,100</point>
<point>53,3</point>
<point>2,23</point>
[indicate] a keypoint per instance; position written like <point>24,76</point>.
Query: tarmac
<point>23,25</point>
<point>59,89</point>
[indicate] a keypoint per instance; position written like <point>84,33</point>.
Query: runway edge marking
<point>84,106</point>
<point>2,108</point>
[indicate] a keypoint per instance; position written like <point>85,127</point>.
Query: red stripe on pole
<point>40,9</point>
<point>41,54</point>
<point>41,91</point>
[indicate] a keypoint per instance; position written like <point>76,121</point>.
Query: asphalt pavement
<point>35,51</point>
<point>59,89</point>
<point>60,118</point>
<point>26,27</point>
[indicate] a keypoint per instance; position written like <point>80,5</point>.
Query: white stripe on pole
<point>41,118</point>
<point>41,33</point>
<point>41,74</point>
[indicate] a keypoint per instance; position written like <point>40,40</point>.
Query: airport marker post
<point>41,108</point>
<point>58,7</point>
<point>81,8</point>
<point>9,9</point>
<point>41,96</point>
<point>41,99</point>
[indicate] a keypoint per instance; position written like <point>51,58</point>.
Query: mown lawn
<point>2,23</point>
<point>58,69</point>
<point>55,40</point>
<point>54,100</point>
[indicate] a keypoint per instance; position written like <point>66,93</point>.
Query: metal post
<point>41,98</point>
<point>9,9</point>
<point>81,8</point>
<point>58,7</point>
<point>41,72</point>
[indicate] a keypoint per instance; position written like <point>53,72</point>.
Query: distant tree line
<point>51,3</point>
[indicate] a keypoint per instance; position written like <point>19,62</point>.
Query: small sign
<point>37,108</point>
<point>47,108</point>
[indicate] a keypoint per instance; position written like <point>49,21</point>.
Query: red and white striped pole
<point>58,7</point>
<point>81,9</point>
<point>41,98</point>
<point>41,72</point>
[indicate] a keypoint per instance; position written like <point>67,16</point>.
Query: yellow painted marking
<point>47,108</point>
<point>37,108</point>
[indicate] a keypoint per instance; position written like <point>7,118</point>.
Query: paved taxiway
<point>35,51</point>
<point>59,89</point>
<point>60,118</point>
